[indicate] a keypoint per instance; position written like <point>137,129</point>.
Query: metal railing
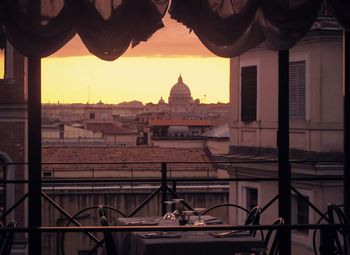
<point>168,186</point>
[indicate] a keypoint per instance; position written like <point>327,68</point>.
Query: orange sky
<point>144,73</point>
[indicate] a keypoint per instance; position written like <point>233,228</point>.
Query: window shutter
<point>248,93</point>
<point>297,90</point>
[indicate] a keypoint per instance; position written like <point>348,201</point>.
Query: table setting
<point>187,242</point>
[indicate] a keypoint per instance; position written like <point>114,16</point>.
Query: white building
<point>217,139</point>
<point>316,112</point>
<point>59,133</point>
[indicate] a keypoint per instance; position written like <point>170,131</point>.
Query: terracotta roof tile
<point>96,154</point>
<point>119,157</point>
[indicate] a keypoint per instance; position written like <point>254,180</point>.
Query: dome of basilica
<point>180,89</point>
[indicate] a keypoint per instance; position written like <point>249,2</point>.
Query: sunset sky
<point>145,73</point>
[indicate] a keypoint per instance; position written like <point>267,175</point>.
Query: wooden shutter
<point>248,93</point>
<point>297,90</point>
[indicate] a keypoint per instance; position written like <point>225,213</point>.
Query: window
<point>92,116</point>
<point>6,60</point>
<point>300,211</point>
<point>248,93</point>
<point>2,52</point>
<point>248,197</point>
<point>2,63</point>
<point>251,198</point>
<point>47,174</point>
<point>297,90</point>
<point>61,131</point>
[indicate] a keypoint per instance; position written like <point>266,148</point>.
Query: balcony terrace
<point>71,201</point>
<point>36,29</point>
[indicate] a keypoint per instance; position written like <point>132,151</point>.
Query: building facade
<point>316,134</point>
<point>13,137</point>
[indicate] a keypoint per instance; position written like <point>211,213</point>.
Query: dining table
<point>201,242</point>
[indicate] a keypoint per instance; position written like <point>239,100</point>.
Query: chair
<point>333,215</point>
<point>107,235</point>
<point>89,213</point>
<point>272,249</point>
<point>101,211</point>
<point>253,217</point>
<point>111,248</point>
<point>6,239</point>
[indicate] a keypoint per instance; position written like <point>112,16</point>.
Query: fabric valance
<point>106,27</point>
<point>228,28</point>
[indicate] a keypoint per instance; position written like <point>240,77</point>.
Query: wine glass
<point>169,215</point>
<point>179,207</point>
<point>199,222</point>
<point>185,217</point>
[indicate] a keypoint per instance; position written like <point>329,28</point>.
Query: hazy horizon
<point>88,79</point>
<point>144,103</point>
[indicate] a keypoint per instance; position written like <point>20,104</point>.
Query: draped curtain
<point>106,27</point>
<point>228,28</point>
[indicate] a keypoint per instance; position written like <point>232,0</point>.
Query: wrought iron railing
<point>167,186</point>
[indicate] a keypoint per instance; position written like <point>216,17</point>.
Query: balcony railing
<point>162,186</point>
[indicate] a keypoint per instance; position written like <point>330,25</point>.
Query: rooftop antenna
<point>88,94</point>
<point>205,98</point>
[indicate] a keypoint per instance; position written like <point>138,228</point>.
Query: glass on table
<point>199,222</point>
<point>169,215</point>
<point>185,217</point>
<point>179,207</point>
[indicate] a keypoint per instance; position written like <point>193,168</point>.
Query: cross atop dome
<point>180,79</point>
